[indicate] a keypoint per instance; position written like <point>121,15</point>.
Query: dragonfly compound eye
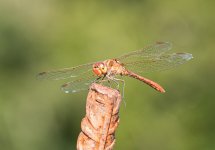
<point>97,71</point>
<point>103,68</point>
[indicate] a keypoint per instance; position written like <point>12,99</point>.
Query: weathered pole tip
<point>101,120</point>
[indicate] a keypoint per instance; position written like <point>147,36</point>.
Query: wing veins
<point>66,72</point>
<point>153,50</point>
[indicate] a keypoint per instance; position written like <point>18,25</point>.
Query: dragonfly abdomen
<point>151,83</point>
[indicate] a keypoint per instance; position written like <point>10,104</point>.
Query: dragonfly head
<point>99,68</point>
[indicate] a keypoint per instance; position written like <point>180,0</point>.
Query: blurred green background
<point>42,35</point>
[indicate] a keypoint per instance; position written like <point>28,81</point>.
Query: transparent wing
<point>151,51</point>
<point>158,63</point>
<point>80,84</point>
<point>66,72</point>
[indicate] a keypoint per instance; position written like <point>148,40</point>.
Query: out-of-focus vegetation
<point>37,35</point>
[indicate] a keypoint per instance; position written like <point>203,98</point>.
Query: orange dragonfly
<point>155,57</point>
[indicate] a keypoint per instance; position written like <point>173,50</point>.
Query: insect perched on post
<point>155,57</point>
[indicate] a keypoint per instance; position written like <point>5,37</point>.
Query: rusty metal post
<point>101,120</point>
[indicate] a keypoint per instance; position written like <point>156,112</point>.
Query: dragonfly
<point>155,57</point>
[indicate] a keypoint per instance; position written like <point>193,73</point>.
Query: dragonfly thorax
<point>114,67</point>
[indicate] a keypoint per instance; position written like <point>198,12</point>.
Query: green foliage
<point>41,35</point>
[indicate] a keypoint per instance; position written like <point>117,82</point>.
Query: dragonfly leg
<point>110,78</point>
<point>108,81</point>
<point>97,79</point>
<point>123,88</point>
<point>116,81</point>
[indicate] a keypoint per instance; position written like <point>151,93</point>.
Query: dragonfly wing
<point>80,84</point>
<point>160,63</point>
<point>154,50</point>
<point>66,72</point>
